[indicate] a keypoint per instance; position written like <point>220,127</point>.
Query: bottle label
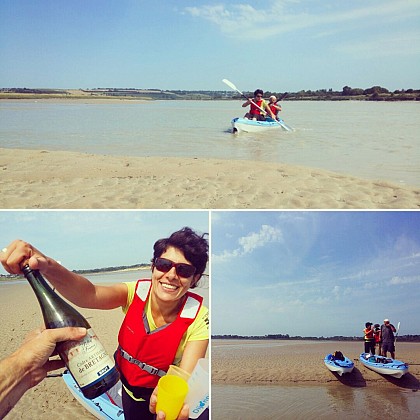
<point>87,360</point>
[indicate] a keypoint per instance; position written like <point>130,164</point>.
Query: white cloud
<point>396,280</point>
<point>266,235</point>
<point>406,43</point>
<point>247,244</point>
<point>244,21</point>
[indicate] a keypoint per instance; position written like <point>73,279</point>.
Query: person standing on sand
<point>173,327</point>
<point>369,338</point>
<point>388,338</point>
<point>377,335</point>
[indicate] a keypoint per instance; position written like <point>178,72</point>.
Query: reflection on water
<point>323,402</point>
<point>356,138</point>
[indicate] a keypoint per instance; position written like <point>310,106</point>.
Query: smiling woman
<point>174,328</point>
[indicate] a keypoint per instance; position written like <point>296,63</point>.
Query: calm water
<point>366,139</point>
<point>240,402</point>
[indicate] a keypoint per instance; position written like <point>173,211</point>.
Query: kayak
<point>106,406</point>
<point>384,365</point>
<point>254,126</point>
<point>338,363</point>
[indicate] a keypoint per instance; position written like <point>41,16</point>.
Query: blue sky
<point>276,45</point>
<point>314,273</point>
<point>95,239</point>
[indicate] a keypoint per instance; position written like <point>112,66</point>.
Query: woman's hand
<point>183,414</point>
<point>18,253</point>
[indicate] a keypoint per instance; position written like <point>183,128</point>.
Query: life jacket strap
<point>144,366</point>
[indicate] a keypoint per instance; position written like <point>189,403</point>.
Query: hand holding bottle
<point>86,359</point>
<point>39,345</point>
<point>30,363</point>
<point>18,253</point>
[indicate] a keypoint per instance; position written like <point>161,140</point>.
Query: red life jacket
<point>274,110</point>
<point>368,334</point>
<point>156,349</point>
<point>254,110</point>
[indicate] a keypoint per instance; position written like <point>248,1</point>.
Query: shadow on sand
<point>408,381</point>
<point>354,379</point>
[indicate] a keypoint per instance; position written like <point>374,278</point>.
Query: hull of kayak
<point>253,126</point>
<point>384,365</point>
<point>339,366</point>
<point>102,407</point>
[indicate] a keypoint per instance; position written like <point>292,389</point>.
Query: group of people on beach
<point>259,108</point>
<point>381,337</point>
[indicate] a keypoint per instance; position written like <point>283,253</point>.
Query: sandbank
<point>279,362</point>
<point>67,180</point>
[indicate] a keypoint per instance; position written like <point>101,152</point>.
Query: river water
<point>242,402</point>
<point>371,140</point>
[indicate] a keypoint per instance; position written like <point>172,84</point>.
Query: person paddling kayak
<point>258,107</point>
<point>275,109</point>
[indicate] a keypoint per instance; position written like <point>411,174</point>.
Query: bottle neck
<point>55,310</point>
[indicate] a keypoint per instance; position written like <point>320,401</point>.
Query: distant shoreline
<point>93,271</point>
<point>373,94</point>
<point>412,338</point>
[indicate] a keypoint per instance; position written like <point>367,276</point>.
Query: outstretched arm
<point>74,287</point>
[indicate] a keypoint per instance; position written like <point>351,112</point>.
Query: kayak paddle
<point>282,96</point>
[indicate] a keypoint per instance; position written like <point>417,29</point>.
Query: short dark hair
<point>194,246</point>
<point>258,92</point>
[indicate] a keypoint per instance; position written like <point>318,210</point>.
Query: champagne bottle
<point>87,360</point>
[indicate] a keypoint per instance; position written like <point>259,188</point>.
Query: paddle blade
<point>285,126</point>
<point>230,84</point>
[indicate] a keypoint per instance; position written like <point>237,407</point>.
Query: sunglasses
<point>182,269</point>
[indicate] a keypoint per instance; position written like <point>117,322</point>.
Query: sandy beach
<point>301,363</point>
<point>20,314</point>
<point>33,179</point>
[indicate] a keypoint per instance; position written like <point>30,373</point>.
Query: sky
<point>276,45</point>
<point>301,273</point>
<point>314,273</point>
<point>96,239</point>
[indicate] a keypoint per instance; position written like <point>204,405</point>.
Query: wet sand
<point>33,179</point>
<point>259,362</point>
<point>288,380</point>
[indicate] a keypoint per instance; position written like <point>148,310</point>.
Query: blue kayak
<point>106,406</point>
<point>254,126</point>
<point>384,365</point>
<point>337,362</point>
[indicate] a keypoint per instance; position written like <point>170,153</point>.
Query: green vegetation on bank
<point>375,93</point>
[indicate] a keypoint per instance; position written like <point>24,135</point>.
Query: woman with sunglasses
<point>258,107</point>
<point>164,324</point>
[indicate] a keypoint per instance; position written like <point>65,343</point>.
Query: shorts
<point>134,409</point>
<point>388,346</point>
